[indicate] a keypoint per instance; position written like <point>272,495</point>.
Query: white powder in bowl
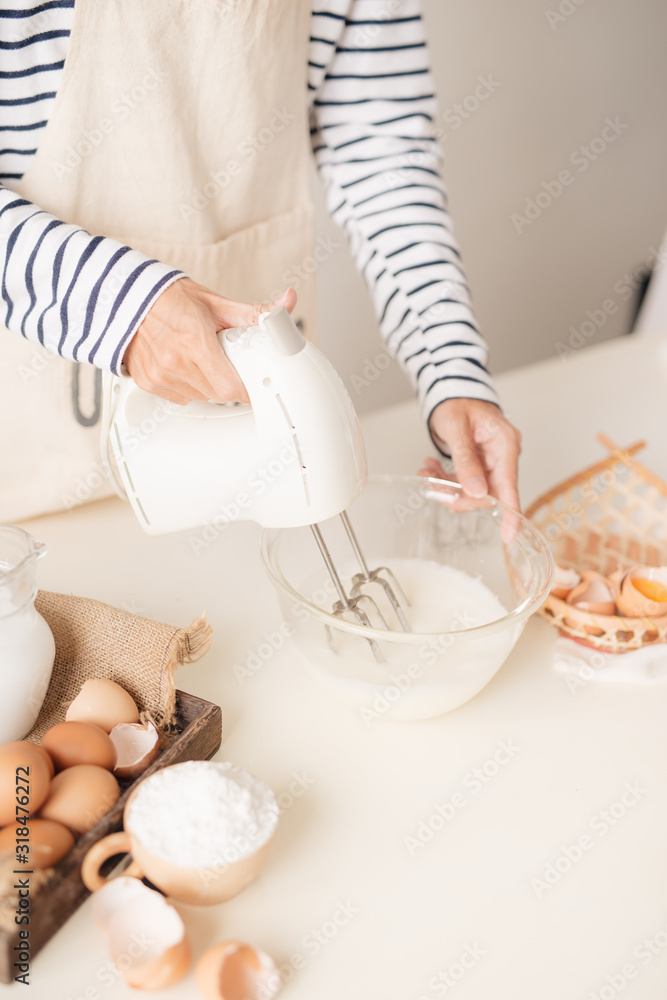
<point>202,813</point>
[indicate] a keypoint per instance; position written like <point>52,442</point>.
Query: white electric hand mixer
<point>294,456</point>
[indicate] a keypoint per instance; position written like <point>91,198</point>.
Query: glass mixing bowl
<point>412,675</point>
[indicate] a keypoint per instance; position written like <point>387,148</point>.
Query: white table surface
<point>342,841</point>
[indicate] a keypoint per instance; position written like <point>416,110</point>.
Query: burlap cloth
<point>97,640</point>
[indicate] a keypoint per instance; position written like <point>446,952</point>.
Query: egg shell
<point>104,703</point>
<point>147,937</point>
<point>80,796</point>
<point>632,602</point>
<point>48,841</point>
<point>114,894</point>
<point>71,743</point>
<point>564,581</point>
<point>594,594</point>
<point>16,758</point>
<point>233,970</point>
<point>136,745</point>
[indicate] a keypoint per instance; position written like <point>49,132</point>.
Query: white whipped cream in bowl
<point>469,594</point>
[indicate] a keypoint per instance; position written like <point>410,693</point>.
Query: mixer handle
<point>285,334</point>
<point>257,352</point>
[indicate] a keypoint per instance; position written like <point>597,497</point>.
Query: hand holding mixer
<point>293,457</point>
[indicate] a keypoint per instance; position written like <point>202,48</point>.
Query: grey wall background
<point>559,71</point>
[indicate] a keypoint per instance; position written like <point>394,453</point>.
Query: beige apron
<point>203,164</point>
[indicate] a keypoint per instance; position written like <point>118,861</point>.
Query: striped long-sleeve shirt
<point>372,110</point>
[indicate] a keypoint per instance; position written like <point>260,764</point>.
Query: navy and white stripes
<point>32,56</point>
<point>373,135</point>
<point>79,296</point>
<point>372,122</point>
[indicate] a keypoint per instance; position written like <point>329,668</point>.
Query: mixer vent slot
<point>128,476</point>
<point>299,458</point>
<point>297,448</point>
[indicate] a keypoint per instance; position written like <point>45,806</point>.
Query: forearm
<point>80,296</point>
<point>374,142</point>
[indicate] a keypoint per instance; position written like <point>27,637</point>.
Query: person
<point>154,190</point>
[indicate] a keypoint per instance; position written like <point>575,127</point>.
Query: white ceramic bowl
<point>422,674</point>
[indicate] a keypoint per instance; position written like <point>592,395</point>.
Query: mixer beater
<point>352,604</point>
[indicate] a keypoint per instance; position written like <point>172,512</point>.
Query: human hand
<point>175,352</point>
<point>485,450</point>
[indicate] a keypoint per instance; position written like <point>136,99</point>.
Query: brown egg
<point>24,780</point>
<point>104,703</point>
<point>48,758</point>
<point>642,592</point>
<point>48,841</point>
<point>233,970</point>
<point>80,796</point>
<point>71,743</point>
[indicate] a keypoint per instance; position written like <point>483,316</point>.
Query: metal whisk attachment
<point>360,605</point>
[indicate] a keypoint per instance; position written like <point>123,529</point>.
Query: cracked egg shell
<point>137,745</point>
<point>565,580</point>
<point>104,703</point>
<point>114,894</point>
<point>233,970</point>
<point>642,592</point>
<point>146,934</point>
<point>594,594</point>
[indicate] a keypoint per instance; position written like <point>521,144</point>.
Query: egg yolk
<point>651,588</point>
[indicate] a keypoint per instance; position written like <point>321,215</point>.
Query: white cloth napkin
<point>645,666</point>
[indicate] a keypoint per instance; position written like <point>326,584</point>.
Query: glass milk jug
<point>27,649</point>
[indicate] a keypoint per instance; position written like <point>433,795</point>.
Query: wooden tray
<point>199,735</point>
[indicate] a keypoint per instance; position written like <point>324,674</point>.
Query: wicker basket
<point>609,517</point>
